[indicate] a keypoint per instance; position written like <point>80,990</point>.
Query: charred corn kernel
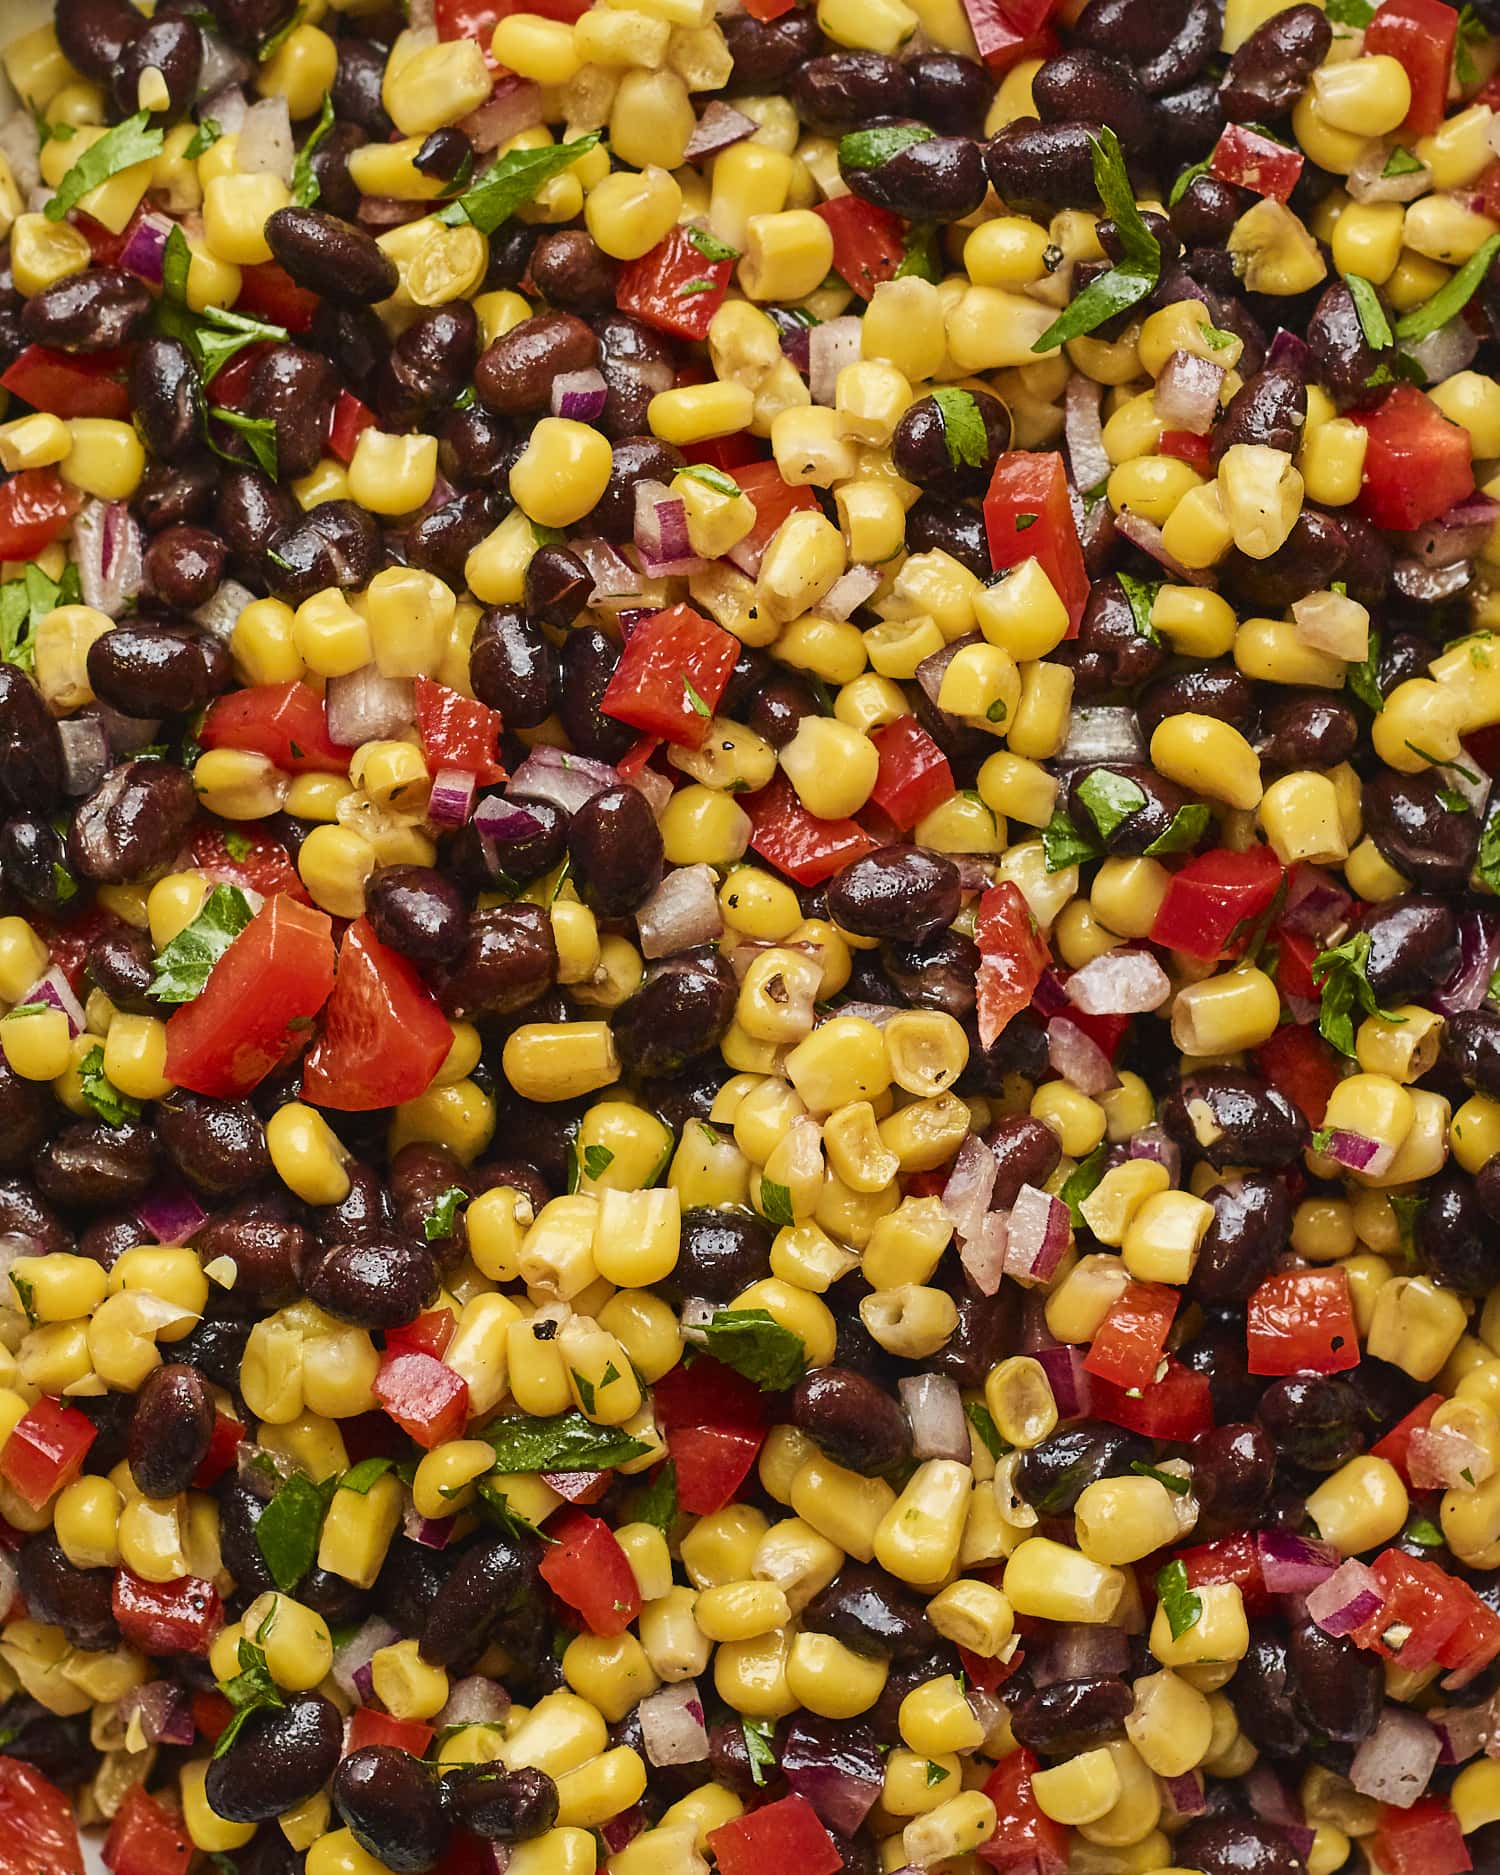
<point>43,252</point>
<point>392,474</point>
<point>1356,1506</point>
<point>560,1060</point>
<point>1223,1014</point>
<point>235,211</point>
<point>1208,757</point>
<point>935,1718</point>
<point>1416,1325</point>
<point>307,1154</point>
<point>1056,1583</point>
<point>1120,1520</point>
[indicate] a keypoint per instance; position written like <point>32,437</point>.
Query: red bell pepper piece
<point>428,1401</point>
<point>1422,1611</point>
<point>713,1420</point>
<point>223,1443</point>
<point>46,1450</point>
<point>1000,42</point>
<point>1260,164</point>
<point>729,453</point>
<point>773,500</point>
<point>1302,1321</point>
<point>384,1036</point>
<point>1301,1065</point>
<point>797,843</point>
<point>1487,188</point>
<point>458,732</point>
<point>1025,1836</point>
<point>266,868</point>
<point>1178,1406</point>
<point>1421,35</point>
<point>1422,1840</point>
<point>71,384</point>
<point>180,1617</point>
<point>369,1727</point>
<point>211,1713</point>
<point>349,421</point>
<point>914,775</point>
<point>1130,1341</point>
<point>1232,1558</point>
<point>785,1835</point>
<point>286,723</point>
<point>428,1333</point>
<point>1215,899</point>
<point>35,507</point>
<point>1187,446</point>
<point>1028,516</point>
<point>1012,956</point>
<point>1417,464</point>
<point>1395,1447</point>
<point>38,1833</point>
<point>675,287</point>
<point>268,291</point>
<point>145,1838</point>
<point>586,1568</point>
<point>868,242</point>
<point>671,676</point>
<point>259,1000</point>
<point>765,10</point>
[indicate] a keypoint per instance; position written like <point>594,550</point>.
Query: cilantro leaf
<point>695,702</point>
<point>1110,798</point>
<point>758,1736</point>
<point>236,845</point>
<point>1407,1208</point>
<point>1344,986</point>
<point>442,1219</point>
<point>755,1344</point>
<point>1142,596</point>
<point>596,1161</point>
<point>1063,845</point>
<point>1189,824</point>
<point>1182,1606</point>
<point>1487,865</point>
<point>1451,297</point>
<point>252,1689</point>
<point>921,258</point>
<point>564,1442</point>
<point>1372,320</point>
<point>511,181</point>
<point>274,41</point>
<point>1364,678</point>
<point>129,143</point>
<point>305,186</point>
<point>1168,1480</point>
<point>1185,180</point>
<point>936,1773</point>
<point>1356,13</point>
<point>113,1107</point>
<point>1081,1181</point>
<point>287,1533</point>
<point>708,243</point>
<point>713,478</point>
<point>359,1478</point>
<point>498,1509</point>
<point>213,336</point>
<point>1400,162</point>
<point>1139,268</point>
<point>964,435</point>
<point>982,1420</point>
<point>776,1203</point>
<point>24,603</point>
<point>204,138</point>
<point>183,968</point>
<point>868,149</point>
<point>259,434</point>
<point>25,1295</point>
<point>1424,1531</point>
<point>657,1504</point>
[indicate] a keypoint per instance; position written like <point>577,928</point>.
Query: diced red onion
<point>85,754</point>
<point>1068,1379</point>
<point>221,83</point>
<point>359,1650</point>
<point>580,395</point>
<point>983,1255</point>
<point>364,1684</point>
<point>971,1183</point>
<point>1457,535</point>
<point>614,576</point>
<point>504,114</point>
<point>1119,983</point>
<point>794,340</point>
<point>171,1213</point>
<point>430,1532</point>
<point>1292,1564</point>
<point>830,347</point>
<point>1147,536</point>
<point>474,1700</point>
<point>221,613</point>
<point>1346,1599</point>
<point>164,1711</point>
<point>672,1727</point>
<point>1083,431</point>
<point>1478,959</point>
<point>142,253</point>
<point>567,781</point>
<point>109,552</point>
<point>20,145</point>
<point>1467,778</point>
<point>682,913</point>
<point>836,1768</point>
<point>1442,353</point>
<point>658,791</point>
<point>1267,1796</point>
<point>1464,1731</point>
<point>451,798</point>
<point>54,988</point>
<point>1051,998</point>
<point>1288,352</point>
<point>1080,1650</point>
<point>1428,585</point>
<point>1333,622</point>
<point>1368,182</point>
<point>443,492</point>
<point>365,706</point>
<point>661,532</point>
<point>935,1412</point>
<point>1438,1457</point>
<point>1154,1142</point>
<point>1187,392</point>
<point>1356,1153</point>
<point>719,126</point>
<point>1185,1793</point>
<point>1099,732</point>
<point>1396,1760</point>
<point>622,1830</point>
<point>1095,523</point>
<point>849,592</point>
<point>1316,906</point>
<point>1040,1236</point>
<point>1078,1058</point>
<point>264,145</point>
<point>496,818</point>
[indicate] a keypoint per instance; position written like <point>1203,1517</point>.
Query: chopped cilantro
<point>755,1344</point>
<point>131,142</point>
<point>1343,978</point>
<point>1139,268</point>
<point>1181,1605</point>
<point>183,967</point>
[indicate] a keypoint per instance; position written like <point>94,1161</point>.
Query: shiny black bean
<point>557,587</point>
<point>635,459</point>
<point>336,544</point>
<point>766,53</point>
<point>92,311</point>
<point>218,1145</point>
<point>170,45</point>
<point>1343,360</point>
<point>500,1805</point>
<point>365,1210</point>
<point>330,256</point>
<point>372,1284</point>
<point>616,851</point>
<point>65,1596</point>
<point>1340,1687</point>
<point>1235,1119</point>
<point>1416,832</point>
<point>779,705</point>
<point>93,33</point>
<point>32,861</point>
<point>901,892</point>
<point>1206,691</point>
<point>440,542</point>
<point>1314,1419</point>
<point>184,567</point>
<point>587,663</point>
<point>171,495</point>
<point>1262,1695</point>
<point>721,1254</point>
<point>134,820</point>
<point>1205,211</point>
<point>338,194</point>
<point>1251,1221</point>
<point>24,1213</point>
<point>294,388</point>
<point>511,247</point>
<point>247,23</point>
<point>871,1612</point>
<point>1110,651</point>
<point>1233,1470</point>
<point>514,376</point>
<point>857,1424</point>
<point>1413,948</point>
<point>950,92</point>
<point>571,270</point>
<point>1069,1716</point>
<point>170,1429</point>
<point>1270,408</point>
<point>729,1759</point>
<point>106,1239</point>
<point>985,1329</point>
<point>497,1576</point>
<point>429,364</point>
<point>1367,562</point>
<point>59,1748</point>
<point>1269,71</point>
<point>280,1756</point>
<point>266,1251</point>
<point>1039,168</point>
<point>925,454</point>
<point>1217,1352</point>
<point>843,90</point>
<point>31,768</point>
<point>940,974</point>
<point>26,1114</point>
<point>956,530</point>
<point>148,671</point>
<point>1053,1474</point>
<point>1237,1845</point>
<point>1453,1235</point>
<point>255,515</point>
<point>352,336</point>
<point>90,1166</point>
<point>1088,86</point>
<point>509,958</point>
<point>635,363</point>
<point>417,911</point>
<point>444,152</point>
<point>680,1012</point>
<point>939,179</point>
<point>166,398</point>
<point>1471,1046</point>
<point>481,862</point>
<point>357,84</point>
<point>1162,801</point>
<point>1174,68</point>
<point>1310,559</point>
<point>1308,729</point>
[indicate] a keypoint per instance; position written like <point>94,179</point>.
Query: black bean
<point>500,1805</point>
<point>1262,1695</point>
<point>417,911</point>
<point>444,152</point>
<point>1205,211</point>
<point>254,516</point>
<point>588,662</point>
<point>956,530</point>
<point>338,194</point>
<point>184,567</point>
<point>767,53</point>
<point>509,958</point>
<point>106,1239</point>
<point>1234,1119</point>
<point>352,336</point>
<point>1218,1352</point>
<point>166,398</point>
<point>635,362</point>
<point>170,1429</point>
<point>170,495</point>
<point>1269,408</point>
<point>1343,360</point>
<point>721,1254</point>
<point>1268,72</point>
<point>871,1612</point>
<point>1069,1716</point>
<point>1087,86</point>
<point>293,388</point>
<point>514,376</point>
<point>497,1576</point>
<point>336,544</point>
<point>1471,1046</point>
<point>63,1595</point>
<point>58,1748</point>
<point>557,587</point>
<point>147,671</point>
<point>616,851</point>
<point>857,1424</point>
<point>939,179</point>
<point>1053,1474</point>
<point>1143,825</point>
<point>331,256</point>
<point>1205,691</point>
<point>373,1284</point>
<point>511,247</point>
<point>940,974</point>
<point>92,311</point>
<point>1038,168</point>
<point>441,541</point>
<point>219,1145</point>
<point>635,459</point>
<point>1233,1470</point>
<point>280,1756</point>
<point>93,33</point>
<point>1110,651</point>
<point>1314,1419</point>
<point>1414,829</point>
<point>429,364</point>
<point>248,23</point>
<point>32,861</point>
<point>1174,68</point>
<point>365,1210</point>
<point>482,862</point>
<point>31,768</point>
<point>950,92</point>
<point>90,1166</point>
<point>393,1806</point>
<point>901,892</point>
<point>357,85</point>
<point>985,1330</point>
<point>24,1213</point>
<point>683,1010</point>
<point>843,90</point>
<point>420,1175</point>
<point>924,453</point>
<point>1251,1221</point>
<point>571,270</point>
<point>172,46</point>
<point>1025,1151</point>
<point>266,1251</point>
<point>1453,1235</point>
<point>1308,729</point>
<point>133,821</point>
<point>1340,1687</point>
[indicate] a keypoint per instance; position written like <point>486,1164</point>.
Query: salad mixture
<point>750,1061</point>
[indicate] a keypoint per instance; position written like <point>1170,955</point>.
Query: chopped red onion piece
<point>451,798</point>
<point>1119,983</point>
<point>221,613</point>
<point>719,126</point>
<point>971,1183</point>
<point>935,1411</point>
<point>1267,1795</point>
<point>1316,906</point>
<point>836,1768</point>
<point>499,819</point>
<point>1333,622</point>
<point>1289,352</point>
<point>1346,1599</point>
<point>580,395</point>
<point>983,1255</point>
<point>109,552</point>
<point>54,988</point>
<point>172,1214</point>
<point>142,253</point>
<point>1068,1378</point>
<point>1441,1458</point>
<point>1041,1234</point>
<point>221,82</point>
<point>1465,1731</point>
<point>359,1650</point>
<point>656,788</point>
<point>430,1532</point>
<point>614,577</point>
<point>682,913</point>
<point>661,532</point>
<point>365,706</point>
<point>85,754</point>
<point>474,1700</point>
<point>1099,732</point>
<point>849,592</point>
<point>1396,1760</point>
<point>830,347</point>
<point>1478,958</point>
<point>504,114</point>
<point>930,670</point>
<point>672,1727</point>
<point>1187,392</point>
<point>1185,1793</point>
<point>1083,431</point>
<point>1147,536</point>
<point>364,1683</point>
<point>567,781</point>
<point>1079,1650</point>
<point>1358,1154</point>
<point>1078,1058</point>
<point>1442,353</point>
<point>264,143</point>
<point>1154,1142</point>
<point>1292,1564</point>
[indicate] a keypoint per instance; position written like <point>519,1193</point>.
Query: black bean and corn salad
<point>750,1074</point>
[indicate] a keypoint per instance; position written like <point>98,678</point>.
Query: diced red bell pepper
<point>1421,1612</point>
<point>713,1420</point>
<point>675,287</point>
<point>586,1568</point>
<point>1187,446</point>
<point>740,450</point>
<point>1260,164</point>
<point>428,1401</point>
<point>146,1838</point>
<point>637,756</point>
<point>1301,1065</point>
<point>785,1835</point>
<point>671,675</point>
<point>1417,464</point>
<point>1127,1348</point>
<point>369,1727</point>
<point>349,421</point>
<point>286,723</point>
<point>231,383</point>
<point>1233,1558</point>
<point>1422,1840</point>
<point>914,776</point>
<point>180,1617</point>
<point>797,843</point>
<point>1421,35</point>
<point>458,732</point>
<point>1296,953</point>
<point>428,1333</point>
<point>712,1463</point>
<point>1178,1406</point>
<point>46,1450</point>
<point>1487,189</point>
<point>211,1713</point>
<point>765,10</point>
<point>868,242</point>
<point>773,500</point>
<point>258,1003</point>
<point>1395,1447</point>
<point>1028,516</point>
<point>1012,956</point>
<point>266,867</point>
<point>268,291</point>
<point>384,1036</point>
<point>1302,1321</point>
<point>35,507</point>
<point>38,1831</point>
<point>71,384</point>
<point>223,1443</point>
<point>1000,41</point>
<point>1215,899</point>
<point>1025,1836</point>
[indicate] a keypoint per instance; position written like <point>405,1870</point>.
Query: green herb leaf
<point>113,1107</point>
<point>1424,1531</point>
<point>24,603</point>
<point>129,143</point>
<point>963,427</point>
<point>1470,30</point>
<point>252,1689</point>
<point>287,1533</point>
<point>273,42</point>
<point>1344,985</point>
<point>708,243</point>
<point>236,846</point>
<point>1189,824</point>
<point>713,478</point>
<point>597,1160</point>
<point>183,968</point>
<point>982,1420</point>
<point>441,1219</point>
<point>1185,180</point>
<point>758,1736</point>
<point>1364,678</point>
<point>1182,1606</point>
<point>1142,596</point>
<point>1063,845</point>
<point>921,258</point>
<point>1372,320</point>
<point>259,434</point>
<point>1168,1480</point>
<point>1139,268</point>
<point>511,181</point>
<point>1356,13</point>
<point>1401,163</point>
<point>204,138</point>
<point>584,1388</point>
<point>358,1478</point>
<point>695,702</point>
<point>1451,297</point>
<point>215,335</point>
<point>936,1773</point>
<point>1453,801</point>
<point>1110,798</point>
<point>755,1344</point>
<point>1082,1180</point>
<point>776,1203</point>
<point>25,1295</point>
<point>657,1504</point>
<point>565,1442</point>
<point>868,149</point>
<point>305,186</point>
<point>498,1510</point>
<point>1406,1206</point>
